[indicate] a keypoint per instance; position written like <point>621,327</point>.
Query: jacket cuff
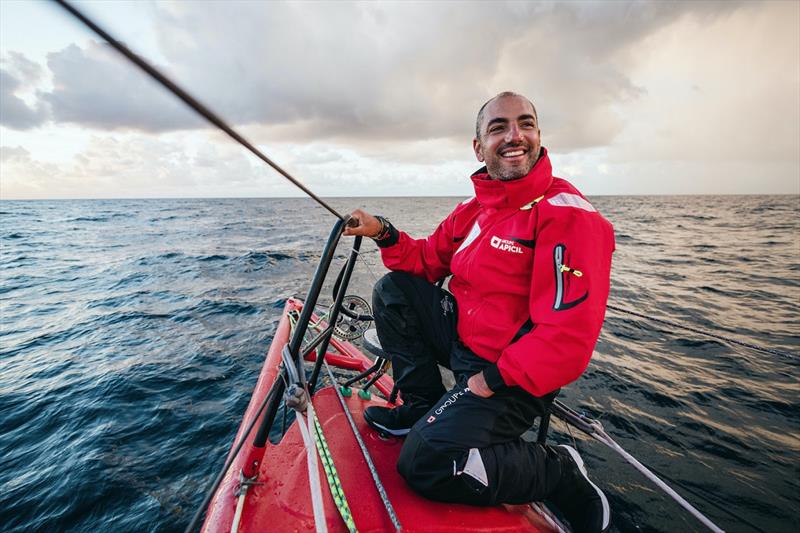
<point>491,374</point>
<point>390,237</point>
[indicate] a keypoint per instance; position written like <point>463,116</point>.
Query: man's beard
<point>499,171</point>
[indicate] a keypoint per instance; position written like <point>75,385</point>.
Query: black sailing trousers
<point>465,449</point>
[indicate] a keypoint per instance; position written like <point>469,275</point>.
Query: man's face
<point>509,142</point>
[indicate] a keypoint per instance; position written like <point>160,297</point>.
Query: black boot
<point>397,421</point>
<point>581,501</point>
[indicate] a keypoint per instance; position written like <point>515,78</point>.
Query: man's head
<point>507,136</point>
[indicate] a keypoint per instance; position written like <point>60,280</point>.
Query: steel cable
<point>189,100</point>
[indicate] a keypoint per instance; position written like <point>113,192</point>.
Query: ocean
<point>132,333</point>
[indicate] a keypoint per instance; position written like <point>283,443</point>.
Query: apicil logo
<point>505,245</point>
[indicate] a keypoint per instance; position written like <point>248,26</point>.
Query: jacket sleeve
<point>428,258</point>
<point>569,291</point>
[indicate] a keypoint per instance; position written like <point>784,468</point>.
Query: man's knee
<point>423,466</point>
<point>391,290</point>
<point>435,474</point>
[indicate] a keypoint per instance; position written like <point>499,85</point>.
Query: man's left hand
<point>477,386</point>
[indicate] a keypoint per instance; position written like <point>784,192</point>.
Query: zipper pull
<point>577,273</point>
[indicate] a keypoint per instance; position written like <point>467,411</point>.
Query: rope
<point>549,517</point>
<point>331,474</point>
<point>189,100</point>
<point>594,429</point>
<point>334,482</point>
<point>702,332</point>
<point>601,435</point>
<point>712,503</point>
<point>306,429</point>
<point>378,485</point>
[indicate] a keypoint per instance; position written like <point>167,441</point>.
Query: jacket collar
<point>514,193</point>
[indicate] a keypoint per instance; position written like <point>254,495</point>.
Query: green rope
<point>332,475</point>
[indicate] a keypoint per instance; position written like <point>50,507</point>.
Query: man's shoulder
<point>565,203</point>
<point>465,206</point>
<point>563,194</point>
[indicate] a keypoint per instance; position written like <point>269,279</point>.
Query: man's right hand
<point>366,225</point>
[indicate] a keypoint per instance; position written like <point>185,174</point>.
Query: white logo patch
<point>565,199</point>
<point>473,234</point>
<point>505,245</point>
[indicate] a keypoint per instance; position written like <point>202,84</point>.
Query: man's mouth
<point>512,153</point>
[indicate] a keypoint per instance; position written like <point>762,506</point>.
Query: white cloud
<point>379,98</point>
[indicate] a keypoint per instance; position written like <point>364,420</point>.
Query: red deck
<point>283,502</point>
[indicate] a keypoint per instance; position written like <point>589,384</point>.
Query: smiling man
<point>530,260</point>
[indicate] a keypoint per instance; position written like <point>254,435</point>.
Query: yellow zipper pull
<point>577,273</point>
<point>531,204</point>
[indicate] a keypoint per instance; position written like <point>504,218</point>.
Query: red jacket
<point>527,250</point>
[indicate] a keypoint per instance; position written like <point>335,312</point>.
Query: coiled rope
<point>699,331</point>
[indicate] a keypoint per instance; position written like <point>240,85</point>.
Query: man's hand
<point>477,386</point>
<point>367,225</point>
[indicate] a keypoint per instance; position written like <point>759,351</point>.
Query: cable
<point>212,488</point>
<point>189,100</point>
<point>594,429</point>
<point>703,332</point>
<point>372,470</point>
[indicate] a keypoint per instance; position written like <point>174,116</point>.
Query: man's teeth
<point>515,153</point>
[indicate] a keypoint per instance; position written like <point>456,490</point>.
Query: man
<point>530,260</point>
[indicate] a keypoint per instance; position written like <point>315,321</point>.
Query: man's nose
<point>513,133</point>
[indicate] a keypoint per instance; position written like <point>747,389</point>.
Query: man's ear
<point>476,146</point>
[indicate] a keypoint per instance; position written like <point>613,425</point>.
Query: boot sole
<point>383,429</point>
<point>579,461</point>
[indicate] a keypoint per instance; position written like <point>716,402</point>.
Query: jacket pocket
<point>564,274</point>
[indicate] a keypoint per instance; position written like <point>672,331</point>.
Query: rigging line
<point>189,100</point>
<point>594,429</point>
<point>212,488</point>
<point>695,492</point>
<point>334,482</point>
<point>703,332</point>
<point>706,499</point>
<point>601,435</point>
<point>378,485</point>
<point>306,428</point>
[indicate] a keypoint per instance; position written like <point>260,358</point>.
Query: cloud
<point>17,76</point>
<point>355,72</point>
<point>95,87</point>
<point>731,92</point>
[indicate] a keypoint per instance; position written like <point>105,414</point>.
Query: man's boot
<point>397,421</point>
<point>581,501</point>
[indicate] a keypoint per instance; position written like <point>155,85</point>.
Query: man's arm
<point>428,258</point>
<point>569,291</point>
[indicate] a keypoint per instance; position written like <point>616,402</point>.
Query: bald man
<point>530,261</point>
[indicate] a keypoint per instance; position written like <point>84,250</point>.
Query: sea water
<point>132,333</point>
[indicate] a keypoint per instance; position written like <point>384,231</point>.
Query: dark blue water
<point>132,334</point>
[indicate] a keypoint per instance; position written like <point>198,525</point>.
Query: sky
<point>380,98</point>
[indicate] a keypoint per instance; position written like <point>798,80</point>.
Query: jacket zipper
<point>561,270</point>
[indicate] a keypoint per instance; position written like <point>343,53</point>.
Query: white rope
<point>549,517</point>
<point>237,516</point>
<point>307,430</point>
<point>603,437</point>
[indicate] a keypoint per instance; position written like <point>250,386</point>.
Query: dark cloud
<point>18,74</point>
<point>96,87</point>
<point>374,71</point>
